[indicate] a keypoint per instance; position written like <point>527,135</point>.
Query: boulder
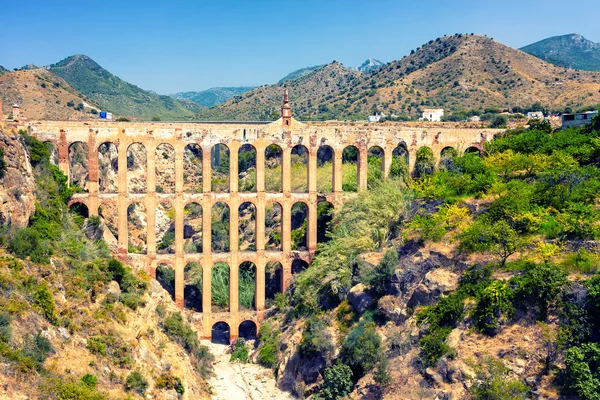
<point>434,376</point>
<point>392,309</point>
<point>437,283</point>
<point>360,298</point>
<point>114,289</point>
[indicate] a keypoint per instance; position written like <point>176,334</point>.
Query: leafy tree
<point>582,374</point>
<point>316,339</point>
<point>337,381</point>
<point>491,304</point>
<point>498,238</point>
<point>539,287</point>
<point>362,349</point>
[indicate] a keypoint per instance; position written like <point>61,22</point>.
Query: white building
<point>432,114</point>
<point>535,114</point>
<point>375,118</point>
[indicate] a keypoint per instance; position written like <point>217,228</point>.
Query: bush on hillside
<point>362,349</point>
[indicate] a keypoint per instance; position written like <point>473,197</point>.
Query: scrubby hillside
<point>478,278</point>
<point>459,72</point>
<point>213,96</point>
<point>569,51</point>
<point>77,324</point>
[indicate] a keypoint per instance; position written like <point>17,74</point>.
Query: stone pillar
<point>151,200</point>
<point>362,168</point>
<point>387,161</point>
<point>260,284</point>
<point>412,159</point>
<point>179,217</point>
<point>63,154</point>
<point>93,174</point>
<point>337,171</point>
<point>233,167</point>
<point>286,226</point>
<point>122,199</point>
<point>286,273</point>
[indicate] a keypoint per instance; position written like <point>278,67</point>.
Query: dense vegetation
<point>535,221</point>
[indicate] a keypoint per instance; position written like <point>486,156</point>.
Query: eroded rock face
<point>17,197</point>
<point>360,298</point>
<point>437,283</point>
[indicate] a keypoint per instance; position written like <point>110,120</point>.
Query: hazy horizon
<point>193,47</point>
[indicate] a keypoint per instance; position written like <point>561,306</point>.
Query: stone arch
<point>324,219</point>
<point>192,228</point>
<point>400,161</point>
<point>273,281</point>
<point>350,162</point>
<point>247,286</point>
<point>220,333</point>
<point>473,149</point>
<point>192,168</point>
<point>247,168</point>
<point>79,210</point>
<point>273,226</point>
<point>298,266</point>
<point>165,275</point>
<point>248,330</point>
<point>136,228</point>
<point>108,167</point>
<point>247,226</point>
<point>192,290</point>
<point>78,165</point>
<point>299,224</point>
<point>137,165</point>
<point>325,156</point>
<point>299,169</point>
<point>273,169</point>
<point>375,170</point>
<point>219,283</point>
<point>53,151</point>
<point>110,214</point>
<point>164,161</point>
<point>220,227</point>
<point>220,168</point>
<point>165,228</point>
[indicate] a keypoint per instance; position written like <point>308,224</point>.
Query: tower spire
<point>286,109</point>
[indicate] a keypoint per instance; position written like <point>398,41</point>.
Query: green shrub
<point>499,121</point>
<point>5,328</point>
<point>495,300</point>
<point>89,380</point>
<point>111,346</point>
<point>136,382</point>
<point>362,349</point>
<point>170,382</point>
<point>3,166</point>
<point>239,352</point>
<point>538,288</point>
<point>28,243</point>
<point>582,371</point>
<point>56,388</point>
<point>383,272</point>
<point>316,339</point>
<point>37,348</point>
<point>268,339</point>
<point>433,345</point>
<point>45,301</point>
<point>337,382</point>
<point>491,382</point>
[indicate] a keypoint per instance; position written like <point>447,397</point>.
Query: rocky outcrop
<point>436,283</point>
<point>360,298</point>
<point>17,196</point>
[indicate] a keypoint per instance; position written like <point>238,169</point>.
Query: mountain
<point>369,65</point>
<point>213,96</point>
<point>292,76</point>
<point>117,96</point>
<point>43,95</point>
<point>2,70</point>
<point>571,51</point>
<point>457,72</point>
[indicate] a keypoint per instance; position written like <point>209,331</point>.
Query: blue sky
<point>171,46</point>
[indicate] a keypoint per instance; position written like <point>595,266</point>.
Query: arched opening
<point>247,168</point>
<point>399,165</point>
<point>299,226</point>
<point>273,281</point>
<point>273,169</point>
<point>324,218</point>
<point>247,330</point>
<point>165,168</point>
<point>78,165</point>
<point>220,168</point>
<point>192,168</point>
<point>447,156</point>
<point>192,228</point>
<point>473,150</point>
<point>136,228</point>
<point>298,266</point>
<point>424,162</point>
<point>220,227</point>
<point>299,169</point>
<point>53,151</point>
<point>247,286</point>
<point>220,333</point>
<point>165,228</point>
<point>273,232</point>
<point>325,169</point>
<point>247,227</point>
<point>350,157</point>
<point>109,213</point>
<point>374,166</point>
<point>192,291</point>
<point>108,167</point>
<point>137,163</point>
<point>79,212</point>
<point>219,286</point>
<point>165,275</point>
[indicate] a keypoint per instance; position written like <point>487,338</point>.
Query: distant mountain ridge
<point>570,51</point>
<point>292,76</point>
<point>115,95</point>
<point>3,70</point>
<point>213,96</point>
<point>369,65</point>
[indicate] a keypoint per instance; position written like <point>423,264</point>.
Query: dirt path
<point>233,381</point>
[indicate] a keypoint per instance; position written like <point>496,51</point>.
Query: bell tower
<point>286,110</point>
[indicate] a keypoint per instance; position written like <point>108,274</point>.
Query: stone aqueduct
<point>285,133</point>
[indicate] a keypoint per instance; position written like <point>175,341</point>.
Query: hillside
<point>213,96</point>
<point>117,96</point>
<point>569,51</point>
<point>300,73</point>
<point>43,95</point>
<point>370,65</point>
<point>456,72</point>
<point>2,70</point>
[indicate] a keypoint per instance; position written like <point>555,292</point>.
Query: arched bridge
<point>160,179</point>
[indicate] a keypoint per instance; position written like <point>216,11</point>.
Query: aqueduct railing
<point>307,137</point>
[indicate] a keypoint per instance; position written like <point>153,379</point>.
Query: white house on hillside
<point>432,114</point>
